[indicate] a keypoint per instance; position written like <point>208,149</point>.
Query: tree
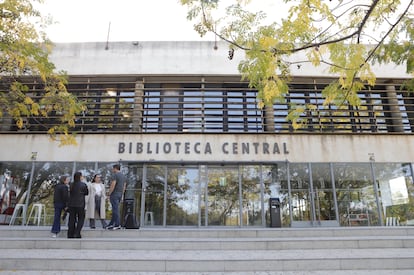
<point>24,53</point>
<point>346,36</point>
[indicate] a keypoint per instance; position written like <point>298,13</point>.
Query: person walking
<point>77,192</point>
<point>96,202</point>
<point>60,200</point>
<point>116,191</point>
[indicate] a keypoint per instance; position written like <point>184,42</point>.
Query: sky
<point>129,20</point>
<point>126,20</point>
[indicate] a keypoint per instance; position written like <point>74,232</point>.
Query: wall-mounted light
<point>371,157</point>
<point>33,156</point>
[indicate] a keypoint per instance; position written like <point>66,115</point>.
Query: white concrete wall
<point>171,58</point>
<point>210,147</point>
<point>196,58</point>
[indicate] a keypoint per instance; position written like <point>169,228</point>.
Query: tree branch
<point>388,33</point>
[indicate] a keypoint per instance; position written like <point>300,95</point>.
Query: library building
<point>198,152</point>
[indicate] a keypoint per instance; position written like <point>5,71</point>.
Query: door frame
<point>315,220</point>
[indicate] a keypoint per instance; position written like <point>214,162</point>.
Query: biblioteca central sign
<point>203,148</point>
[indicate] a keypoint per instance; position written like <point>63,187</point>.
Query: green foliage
<point>24,54</point>
<point>347,37</point>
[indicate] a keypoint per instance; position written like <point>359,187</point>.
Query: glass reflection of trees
<point>218,189</point>
<point>252,207</point>
<point>395,181</point>
<point>133,190</point>
<point>46,175</point>
<point>223,196</point>
<point>154,193</point>
<point>355,193</point>
<point>322,187</point>
<point>182,196</point>
<point>301,199</point>
<point>276,186</point>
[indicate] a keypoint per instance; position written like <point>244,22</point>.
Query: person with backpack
<point>77,192</point>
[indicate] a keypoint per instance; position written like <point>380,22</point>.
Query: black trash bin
<point>130,221</point>
<point>274,209</point>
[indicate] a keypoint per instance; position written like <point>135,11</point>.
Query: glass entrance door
<point>154,195</point>
<point>183,190</point>
<point>223,196</point>
<point>313,200</point>
<point>215,195</point>
<point>324,199</point>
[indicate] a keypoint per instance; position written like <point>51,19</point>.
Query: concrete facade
<point>173,58</point>
<point>194,142</point>
<point>213,148</point>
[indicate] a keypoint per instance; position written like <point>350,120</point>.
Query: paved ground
<point>325,272</point>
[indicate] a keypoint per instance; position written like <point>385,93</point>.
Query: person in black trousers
<point>78,191</point>
<point>60,200</point>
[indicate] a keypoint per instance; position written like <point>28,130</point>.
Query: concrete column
<point>395,112</point>
<point>170,109</point>
<point>138,107</point>
<point>269,122</point>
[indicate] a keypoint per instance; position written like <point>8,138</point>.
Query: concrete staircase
<point>355,250</point>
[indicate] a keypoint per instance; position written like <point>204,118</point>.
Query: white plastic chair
<point>19,207</point>
<point>38,209</point>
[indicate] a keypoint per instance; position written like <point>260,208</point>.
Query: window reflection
<point>223,196</point>
<point>323,192</point>
<point>275,186</point>
<point>356,196</point>
<point>302,203</point>
<point>154,195</point>
<point>15,178</point>
<point>396,192</point>
<point>251,196</point>
<point>211,195</point>
<point>182,196</point>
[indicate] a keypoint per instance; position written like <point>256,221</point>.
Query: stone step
<point>206,260</point>
<point>211,243</point>
<point>154,232</point>
<point>204,251</point>
<point>311,272</point>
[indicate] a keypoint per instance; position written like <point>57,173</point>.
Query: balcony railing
<point>221,105</point>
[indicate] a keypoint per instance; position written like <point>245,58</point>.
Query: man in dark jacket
<point>60,200</point>
<point>78,191</point>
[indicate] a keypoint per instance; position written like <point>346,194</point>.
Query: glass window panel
<point>251,196</point>
<point>46,176</point>
<point>14,182</point>
<point>356,197</point>
<point>300,192</point>
<point>154,195</point>
<point>396,188</point>
<point>87,169</point>
<point>322,188</point>
<point>133,191</point>
<point>182,196</point>
<point>15,178</point>
<point>223,196</point>
<point>276,186</point>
